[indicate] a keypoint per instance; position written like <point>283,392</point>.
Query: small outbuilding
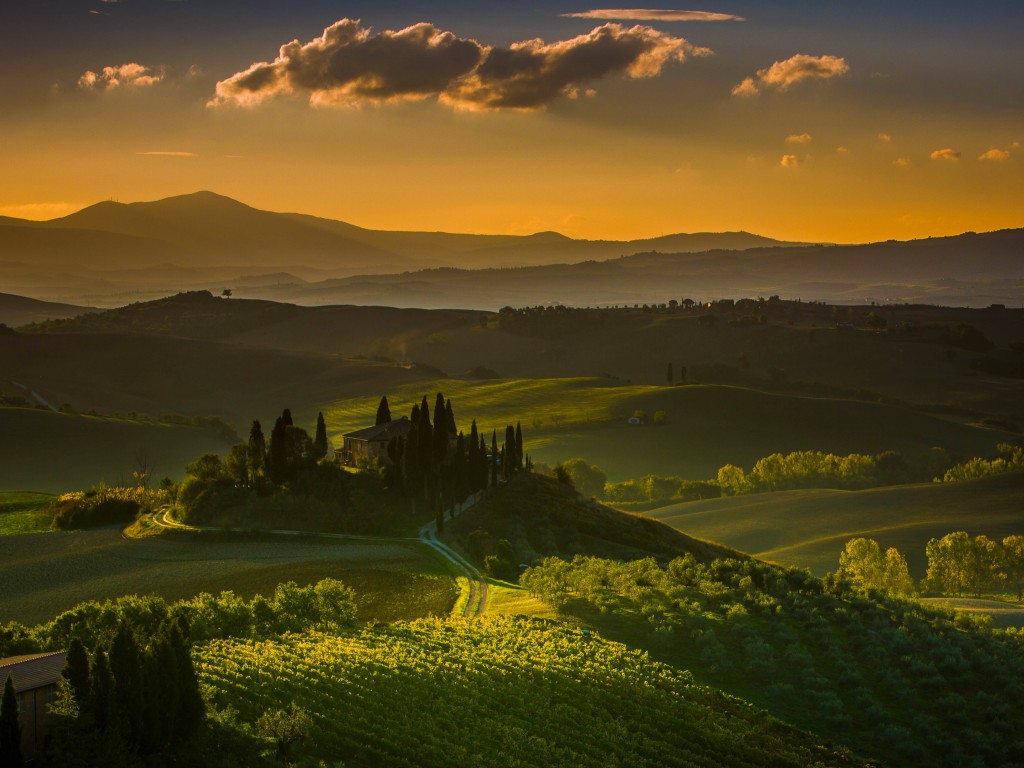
<point>371,444</point>
<point>35,678</point>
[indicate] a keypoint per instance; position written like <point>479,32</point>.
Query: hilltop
<point>539,517</point>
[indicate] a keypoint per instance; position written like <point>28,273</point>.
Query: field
<point>58,452</point>
<point>494,692</point>
<point>23,512</point>
<point>708,426</point>
<point>809,528</point>
<point>44,574</point>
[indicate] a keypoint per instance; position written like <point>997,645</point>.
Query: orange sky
<point>837,128</point>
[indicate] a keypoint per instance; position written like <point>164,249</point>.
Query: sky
<point>831,120</point>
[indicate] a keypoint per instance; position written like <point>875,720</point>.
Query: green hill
<point>502,692</point>
<point>708,426</point>
<point>809,528</point>
<point>59,452</point>
<point>540,517</point>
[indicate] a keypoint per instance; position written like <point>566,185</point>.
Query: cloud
<point>650,14</point>
<point>995,155</point>
<point>945,154</point>
<point>798,138</point>
<point>124,75</point>
<point>901,162</point>
<point>169,154</point>
<point>789,161</point>
<point>350,65</point>
<point>841,150</point>
<point>782,74</point>
<point>885,138</point>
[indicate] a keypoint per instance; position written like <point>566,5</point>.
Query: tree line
<point>958,564</point>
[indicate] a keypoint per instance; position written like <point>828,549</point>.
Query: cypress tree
<point>76,671</point>
<point>190,711</point>
<point>460,479</point>
<point>494,458</point>
<point>286,417</point>
<point>519,446</point>
<point>10,728</point>
<point>452,428</point>
<point>425,435</point>
<point>320,441</point>
<point>440,429</point>
<point>510,451</point>
<point>473,459</point>
<point>506,464</point>
<point>278,454</point>
<point>102,703</point>
<point>257,452</point>
<point>414,414</point>
<point>161,692</point>
<point>383,411</point>
<point>126,669</point>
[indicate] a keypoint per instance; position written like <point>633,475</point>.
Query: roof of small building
<point>383,432</point>
<point>35,670</point>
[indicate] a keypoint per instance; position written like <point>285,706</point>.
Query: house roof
<point>35,670</point>
<point>382,432</point>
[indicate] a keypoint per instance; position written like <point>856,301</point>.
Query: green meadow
<point>707,425</point>
<point>808,528</point>
<point>23,512</point>
<point>58,452</point>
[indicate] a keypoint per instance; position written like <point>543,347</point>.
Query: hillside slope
<point>540,517</point>
<point>808,529</point>
<point>503,692</point>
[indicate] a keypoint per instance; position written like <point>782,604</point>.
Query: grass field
<point>809,528</point>
<point>708,426</point>
<point>23,512</point>
<point>58,452</point>
<point>44,574</point>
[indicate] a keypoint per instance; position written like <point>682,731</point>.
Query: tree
<point>76,671</point>
<point>10,728</point>
<point>287,727</point>
<point>440,429</point>
<point>519,446</point>
<point>102,694</point>
<point>585,478</point>
<point>732,480</point>
<point>126,669</point>
<point>257,452</point>
<point>278,454</point>
<point>958,564</point>
<point>494,458</point>
<point>897,575</point>
<point>320,441</point>
<point>1012,563</point>
<point>383,411</point>
<point>862,562</point>
<point>286,417</point>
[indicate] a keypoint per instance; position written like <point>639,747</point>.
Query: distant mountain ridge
<point>112,253</point>
<point>189,230</point>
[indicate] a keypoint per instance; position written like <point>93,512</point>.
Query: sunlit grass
<point>23,512</point>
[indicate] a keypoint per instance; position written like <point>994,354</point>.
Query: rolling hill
<point>20,310</point>
<point>808,529</point>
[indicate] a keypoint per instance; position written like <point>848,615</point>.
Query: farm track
<point>476,603</point>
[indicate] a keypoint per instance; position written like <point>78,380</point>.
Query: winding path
<point>476,603</point>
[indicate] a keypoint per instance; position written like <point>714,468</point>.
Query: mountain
<point>20,310</point>
<point>213,239</point>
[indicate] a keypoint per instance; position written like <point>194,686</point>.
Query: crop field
<point>809,528</point>
<point>58,452</point>
<point>23,512</point>
<point>44,574</point>
<point>493,692</point>
<point>707,426</point>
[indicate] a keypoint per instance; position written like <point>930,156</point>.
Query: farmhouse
<point>35,681</point>
<point>371,443</point>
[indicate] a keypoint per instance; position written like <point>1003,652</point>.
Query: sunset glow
<point>866,122</point>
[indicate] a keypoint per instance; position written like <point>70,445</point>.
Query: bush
<point>103,505</point>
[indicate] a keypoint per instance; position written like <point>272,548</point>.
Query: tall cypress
<point>473,459</point>
<point>278,454</point>
<point>440,429</point>
<point>102,703</point>
<point>460,479</point>
<point>519,446</point>
<point>126,669</point>
<point>452,428</point>
<point>425,435</point>
<point>494,458</point>
<point>190,701</point>
<point>76,670</point>
<point>509,465</point>
<point>10,728</point>
<point>286,417</point>
<point>383,411</point>
<point>320,441</point>
<point>257,452</point>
